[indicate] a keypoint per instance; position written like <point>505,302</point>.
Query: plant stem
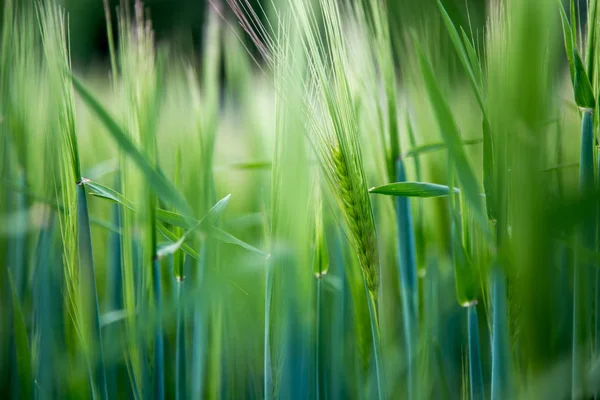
<point>268,377</point>
<point>475,374</point>
<point>319,356</point>
<point>180,359</point>
<point>597,278</point>
<point>88,289</point>
<point>408,278</point>
<point>581,280</point>
<point>114,294</point>
<point>159,383</point>
<point>374,321</point>
<point>500,350</point>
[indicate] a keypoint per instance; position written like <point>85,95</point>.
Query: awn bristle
<point>329,112</point>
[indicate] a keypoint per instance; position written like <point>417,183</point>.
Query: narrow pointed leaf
<point>173,238</point>
<point>175,219</point>
<point>451,135</point>
<point>220,234</point>
<point>413,189</point>
<point>163,187</point>
<point>462,54</point>
<point>213,215</point>
<point>584,94</point>
<point>251,165</point>
<point>429,148</point>
<point>99,190</point>
<point>472,54</point>
<point>568,37</point>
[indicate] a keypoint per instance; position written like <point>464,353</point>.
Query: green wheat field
<point>325,199</point>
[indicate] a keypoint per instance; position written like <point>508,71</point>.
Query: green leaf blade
<point>413,189</point>
<point>157,180</point>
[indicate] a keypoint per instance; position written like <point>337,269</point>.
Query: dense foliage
<point>377,201</point>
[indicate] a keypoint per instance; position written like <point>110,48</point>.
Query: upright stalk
<point>500,350</point>
<point>581,278</point>
<point>159,378</point>
<point>407,272</point>
<point>319,383</point>
<point>475,374</point>
<point>114,293</point>
<point>374,321</point>
<point>501,385</point>
<point>597,277</point>
<point>88,288</point>
<point>267,366</point>
<point>180,359</point>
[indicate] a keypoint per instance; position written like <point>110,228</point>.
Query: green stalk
<point>497,203</point>
<point>407,272</point>
<point>320,269</point>
<point>374,321</point>
<point>319,384</point>
<point>115,294</point>
<point>475,374</point>
<point>180,359</point>
<point>199,328</point>
<point>159,383</point>
<point>581,278</point>
<point>179,268</point>
<point>48,305</point>
<point>500,346</point>
<point>267,367</point>
<point>88,282</point>
<point>597,278</point>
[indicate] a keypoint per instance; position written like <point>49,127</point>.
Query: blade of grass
<point>432,147</point>
<point>413,189</point>
<point>452,139</point>
<point>164,188</point>
<point>462,55</point>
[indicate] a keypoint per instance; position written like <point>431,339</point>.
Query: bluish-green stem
<point>475,372</point>
<point>407,271</point>
<point>48,306</point>
<point>431,318</point>
<point>374,321</point>
<point>180,359</point>
<point>115,294</point>
<point>199,331</point>
<point>582,273</point>
<point>338,322</point>
<point>88,280</point>
<point>500,345</point>
<point>268,373</point>
<point>597,278</point>
<point>159,376</point>
<point>16,263</point>
<point>319,384</point>
<point>17,248</point>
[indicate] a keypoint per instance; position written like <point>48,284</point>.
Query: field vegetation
<point>329,199</point>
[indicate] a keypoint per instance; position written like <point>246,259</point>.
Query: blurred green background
<point>181,22</point>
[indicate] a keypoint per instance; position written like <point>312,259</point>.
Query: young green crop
<point>465,271</point>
